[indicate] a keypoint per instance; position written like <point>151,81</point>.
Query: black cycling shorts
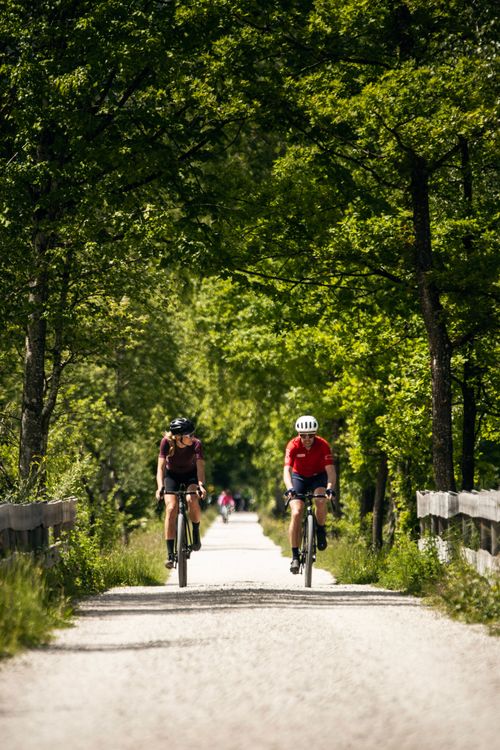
<point>172,481</point>
<point>303,484</point>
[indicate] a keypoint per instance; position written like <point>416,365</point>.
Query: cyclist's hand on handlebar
<point>202,491</point>
<point>159,494</point>
<point>289,494</point>
<point>330,494</point>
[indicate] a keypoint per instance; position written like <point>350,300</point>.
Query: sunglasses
<point>305,435</point>
<point>191,435</point>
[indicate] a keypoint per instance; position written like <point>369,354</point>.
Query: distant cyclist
<point>308,466</point>
<point>180,462</point>
<point>226,503</point>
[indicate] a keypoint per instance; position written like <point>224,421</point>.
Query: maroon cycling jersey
<point>305,462</point>
<point>184,459</point>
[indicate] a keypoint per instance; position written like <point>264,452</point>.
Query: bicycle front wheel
<point>181,550</point>
<point>308,563</point>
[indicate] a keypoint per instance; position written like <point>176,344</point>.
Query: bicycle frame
<point>183,541</point>
<point>307,551</point>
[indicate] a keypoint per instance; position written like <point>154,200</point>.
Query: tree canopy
<point>241,212</point>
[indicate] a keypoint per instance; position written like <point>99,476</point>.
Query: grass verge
<point>29,609</point>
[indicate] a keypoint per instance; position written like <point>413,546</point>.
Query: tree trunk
<point>468,384</point>
<point>469,426</point>
<point>367,499</point>
<point>336,429</point>
<point>466,187</point>
<point>32,439</point>
<point>378,505</point>
<point>439,343</point>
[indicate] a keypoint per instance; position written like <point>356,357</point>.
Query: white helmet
<point>306,424</point>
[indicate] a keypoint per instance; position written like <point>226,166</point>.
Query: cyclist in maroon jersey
<point>180,462</point>
<point>308,466</point>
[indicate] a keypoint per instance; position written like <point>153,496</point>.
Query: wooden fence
<point>473,517</point>
<point>35,527</point>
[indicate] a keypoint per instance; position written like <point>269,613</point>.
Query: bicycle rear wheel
<point>308,563</point>
<point>181,550</point>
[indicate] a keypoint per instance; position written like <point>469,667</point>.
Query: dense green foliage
<point>243,211</point>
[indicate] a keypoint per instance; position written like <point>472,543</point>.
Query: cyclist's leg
<point>318,485</point>
<point>295,529</point>
<point>295,532</point>
<point>171,485</point>
<point>320,509</point>
<point>194,511</point>
<point>170,516</point>
<point>297,508</point>
<point>171,508</point>
<point>193,503</point>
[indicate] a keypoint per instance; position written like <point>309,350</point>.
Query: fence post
<point>484,530</point>
<point>26,527</point>
<point>494,538</point>
<point>475,514</point>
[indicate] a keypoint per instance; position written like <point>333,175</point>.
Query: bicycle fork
<point>303,549</point>
<point>188,540</point>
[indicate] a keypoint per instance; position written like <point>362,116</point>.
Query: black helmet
<point>181,426</point>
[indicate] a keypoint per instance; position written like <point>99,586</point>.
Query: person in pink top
<point>225,499</point>
<point>308,466</point>
<point>226,504</point>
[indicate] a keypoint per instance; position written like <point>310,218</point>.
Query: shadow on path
<point>158,602</point>
<point>165,601</point>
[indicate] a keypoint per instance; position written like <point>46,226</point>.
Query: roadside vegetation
<point>455,588</point>
<point>35,601</point>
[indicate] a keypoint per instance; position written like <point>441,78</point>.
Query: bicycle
<point>183,541</point>
<point>307,550</point>
<point>226,510</point>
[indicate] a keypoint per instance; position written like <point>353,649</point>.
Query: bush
<point>410,569</point>
<point>28,610</point>
<point>353,562</point>
<point>81,569</point>
<point>469,596</point>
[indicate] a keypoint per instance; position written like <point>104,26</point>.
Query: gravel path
<point>245,658</point>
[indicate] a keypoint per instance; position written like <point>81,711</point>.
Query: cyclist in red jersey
<point>308,466</point>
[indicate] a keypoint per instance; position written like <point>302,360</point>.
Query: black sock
<point>295,553</point>
<point>196,527</point>
<point>170,546</point>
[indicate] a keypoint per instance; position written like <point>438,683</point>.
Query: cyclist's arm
<point>200,471</point>
<point>330,473</point>
<point>287,477</point>
<point>159,475</point>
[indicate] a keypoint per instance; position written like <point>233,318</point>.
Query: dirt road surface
<point>246,658</point>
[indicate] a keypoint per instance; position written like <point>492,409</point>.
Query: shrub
<point>28,610</point>
<point>353,562</point>
<point>81,569</point>
<point>469,596</point>
<point>410,569</point>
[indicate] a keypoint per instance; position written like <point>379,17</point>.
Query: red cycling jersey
<point>305,462</point>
